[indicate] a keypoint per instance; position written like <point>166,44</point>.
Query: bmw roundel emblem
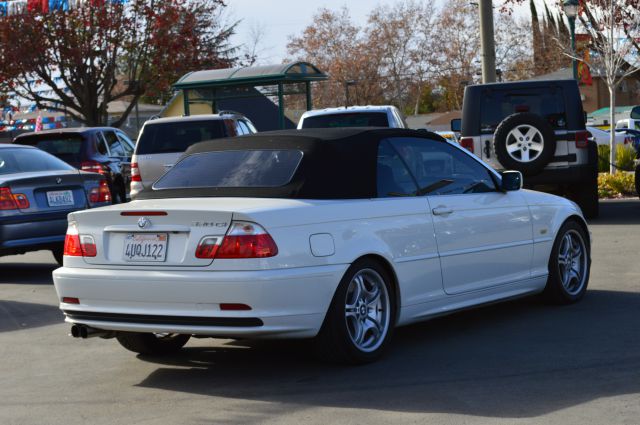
<point>143,222</point>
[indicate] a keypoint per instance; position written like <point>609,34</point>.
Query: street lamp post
<point>571,8</point>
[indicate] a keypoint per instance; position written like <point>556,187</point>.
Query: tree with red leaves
<point>107,51</point>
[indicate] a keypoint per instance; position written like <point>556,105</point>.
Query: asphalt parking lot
<point>522,362</point>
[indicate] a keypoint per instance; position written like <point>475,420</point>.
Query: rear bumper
<point>22,233</point>
<point>561,176</point>
<point>285,303</point>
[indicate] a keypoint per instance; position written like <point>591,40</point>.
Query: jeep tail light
<point>12,201</point>
<point>243,240</point>
<point>93,167</point>
<point>76,245</point>
<point>135,172</point>
<point>100,193</point>
<point>582,139</point>
<point>467,143</point>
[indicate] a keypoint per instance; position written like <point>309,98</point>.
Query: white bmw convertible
<point>339,235</point>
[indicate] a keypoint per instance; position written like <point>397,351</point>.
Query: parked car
<point>103,150</point>
<point>353,116</point>
<point>602,137</point>
<point>162,141</point>
<point>266,244</point>
<point>537,128</point>
<point>631,137</point>
<point>37,191</point>
<point>449,135</point>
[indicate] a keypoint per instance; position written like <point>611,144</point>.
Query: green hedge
<point>617,185</point>
<point>625,156</point>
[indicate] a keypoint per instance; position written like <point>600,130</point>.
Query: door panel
<point>485,240</point>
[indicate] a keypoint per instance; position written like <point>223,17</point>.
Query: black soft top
<point>337,163</point>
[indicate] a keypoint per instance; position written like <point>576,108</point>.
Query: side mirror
<point>511,180</point>
<point>456,125</point>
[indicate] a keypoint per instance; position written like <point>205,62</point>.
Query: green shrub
<point>625,156</point>
<point>616,185</point>
<point>603,158</point>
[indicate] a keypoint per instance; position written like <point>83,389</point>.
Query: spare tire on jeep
<point>524,142</point>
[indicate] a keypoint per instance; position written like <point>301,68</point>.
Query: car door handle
<point>441,210</point>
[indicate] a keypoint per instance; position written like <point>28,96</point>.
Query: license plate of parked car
<point>145,247</point>
<point>60,198</point>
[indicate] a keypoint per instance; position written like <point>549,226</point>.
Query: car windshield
<point>177,136</point>
<point>352,119</point>
<point>229,169</point>
<point>66,147</point>
<point>29,160</point>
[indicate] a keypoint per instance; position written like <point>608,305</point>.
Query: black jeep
<point>537,128</point>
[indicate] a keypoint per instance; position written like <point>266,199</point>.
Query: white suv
<point>162,141</point>
<point>353,116</point>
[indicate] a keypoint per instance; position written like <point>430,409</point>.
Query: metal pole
<point>309,100</point>
<point>574,62</point>
<point>488,50</point>
<point>281,105</point>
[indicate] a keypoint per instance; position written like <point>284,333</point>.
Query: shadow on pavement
<point>519,359</point>
<point>15,315</point>
<point>25,273</point>
<point>623,211</point>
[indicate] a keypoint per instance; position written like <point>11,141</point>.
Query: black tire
<point>152,344</point>
<point>334,343</point>
<point>555,291</point>
<point>586,196</point>
<point>58,254</point>
<point>118,193</point>
<point>502,140</point>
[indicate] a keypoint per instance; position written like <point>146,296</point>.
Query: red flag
<point>38,6</point>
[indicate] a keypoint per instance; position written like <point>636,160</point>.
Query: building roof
<point>293,72</point>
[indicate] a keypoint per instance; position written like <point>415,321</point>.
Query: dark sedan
<point>103,150</point>
<point>37,191</point>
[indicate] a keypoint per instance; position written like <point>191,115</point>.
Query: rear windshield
<point>247,168</point>
<point>174,137</point>
<point>354,119</point>
<point>29,160</point>
<point>546,102</point>
<point>67,148</point>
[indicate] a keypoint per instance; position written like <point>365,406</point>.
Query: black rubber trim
<point>237,322</point>
<point>572,157</point>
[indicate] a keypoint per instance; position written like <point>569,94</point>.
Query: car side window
<point>393,177</point>
<point>242,128</point>
<point>126,143</point>
<point>442,169</point>
<point>115,148</point>
<point>250,126</point>
<point>101,144</point>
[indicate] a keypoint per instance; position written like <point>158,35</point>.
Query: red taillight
<point>76,245</point>
<point>208,247</point>
<point>12,201</point>
<point>135,172</point>
<point>70,300</point>
<point>582,139</point>
<point>467,143</point>
<point>94,167</point>
<point>243,240</point>
<point>100,194</point>
<point>234,307</point>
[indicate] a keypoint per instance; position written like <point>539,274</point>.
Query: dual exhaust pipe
<point>84,332</point>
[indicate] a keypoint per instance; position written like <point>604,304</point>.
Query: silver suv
<point>161,142</point>
<point>353,116</point>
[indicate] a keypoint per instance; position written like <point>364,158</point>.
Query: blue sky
<point>281,18</point>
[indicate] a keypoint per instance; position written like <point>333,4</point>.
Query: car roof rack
<point>229,112</point>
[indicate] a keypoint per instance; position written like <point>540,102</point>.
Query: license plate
<point>145,247</point>
<point>60,198</point>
